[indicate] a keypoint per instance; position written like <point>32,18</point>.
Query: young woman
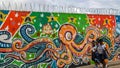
<point>94,55</point>
<point>102,53</point>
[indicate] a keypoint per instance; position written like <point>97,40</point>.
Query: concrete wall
<point>54,40</point>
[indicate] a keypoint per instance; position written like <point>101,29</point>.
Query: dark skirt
<point>99,58</point>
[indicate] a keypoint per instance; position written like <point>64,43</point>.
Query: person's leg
<point>105,60</point>
<point>96,65</point>
<point>104,64</point>
<point>95,59</point>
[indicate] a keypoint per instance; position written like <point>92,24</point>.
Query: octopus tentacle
<point>65,58</point>
<point>17,44</point>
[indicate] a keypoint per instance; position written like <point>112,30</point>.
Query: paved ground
<point>115,64</point>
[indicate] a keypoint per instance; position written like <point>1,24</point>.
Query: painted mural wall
<point>54,40</point>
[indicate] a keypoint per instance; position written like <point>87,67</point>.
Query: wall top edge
<point>57,8</point>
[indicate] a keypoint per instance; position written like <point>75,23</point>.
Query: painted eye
<point>68,36</point>
<point>91,36</point>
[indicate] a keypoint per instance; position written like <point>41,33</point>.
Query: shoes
<point>96,66</point>
<point>101,66</point>
<point>106,66</point>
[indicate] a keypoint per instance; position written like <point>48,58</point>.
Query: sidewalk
<point>113,64</point>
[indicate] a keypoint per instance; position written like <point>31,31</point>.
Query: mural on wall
<point>54,40</point>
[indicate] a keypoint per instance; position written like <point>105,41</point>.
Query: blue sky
<point>77,3</point>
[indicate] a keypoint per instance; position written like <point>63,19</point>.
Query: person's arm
<point>104,46</point>
<point>107,51</point>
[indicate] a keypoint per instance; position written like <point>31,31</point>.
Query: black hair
<point>99,40</point>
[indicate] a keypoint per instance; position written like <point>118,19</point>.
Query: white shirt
<point>100,48</point>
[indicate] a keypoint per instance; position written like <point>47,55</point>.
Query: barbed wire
<point>56,8</point>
